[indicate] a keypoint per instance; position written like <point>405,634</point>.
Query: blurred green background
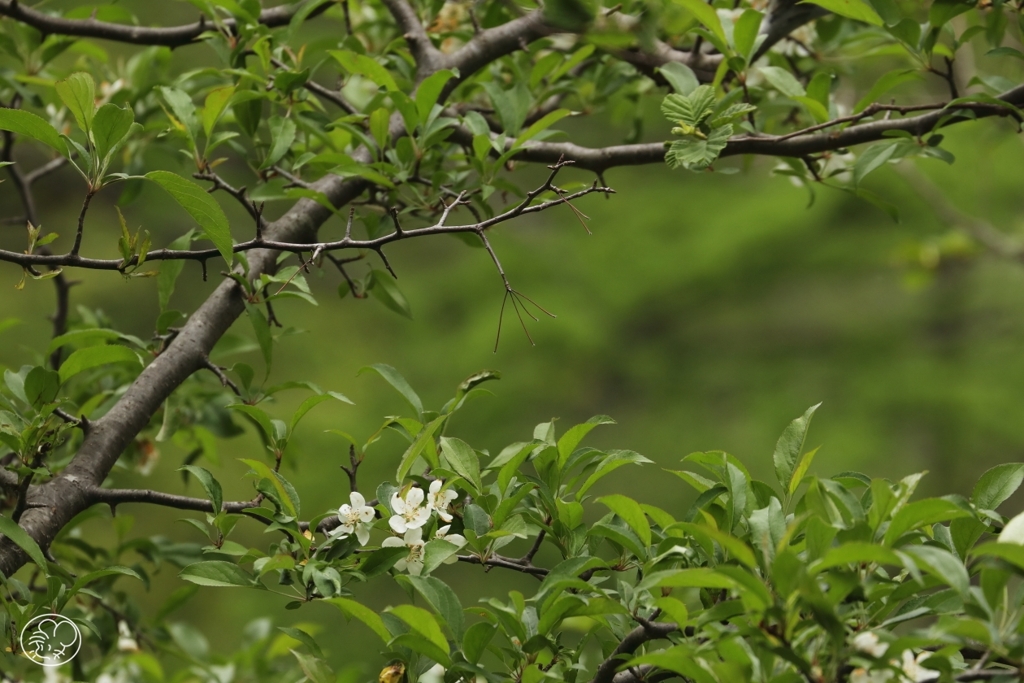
<point>704,312</point>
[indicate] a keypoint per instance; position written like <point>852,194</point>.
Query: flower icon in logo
<point>51,640</point>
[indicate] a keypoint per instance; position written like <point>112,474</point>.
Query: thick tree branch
<point>52,505</point>
<point>644,633</point>
<point>170,36</point>
<point>495,43</point>
<point>798,144</point>
<point>115,497</point>
<point>423,51</point>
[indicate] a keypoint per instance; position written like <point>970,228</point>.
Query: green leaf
<point>18,536</point>
<point>477,637</point>
<point>801,470</point>
<point>383,287</point>
<point>943,565</point>
<point>613,461</point>
<point>569,15</point>
<point>302,637</point>
<point>435,552</point>
<point>745,32</point>
<point>109,127</point>
<point>184,112</point>
<point>201,206</point>
<point>422,622</point>
<point>261,328</point>
<point>872,158</point>
<point>380,121</point>
<point>574,435</point>
<point>852,9</point>
<point>29,125</point>
<point>631,513</point>
<point>114,570</point>
<point>464,460</point>
<point>282,135</point>
<point>691,109</point>
<point>736,548</point>
<point>419,446</point>
<point>706,15</point>
<point>696,154</point>
<point>286,492</point>
<point>316,669</point>
<point>78,92</point>
<point>429,91</point>
<point>380,561</point>
<point>354,609</point>
<point>392,377</point>
<point>1011,552</point>
<point>921,513</point>
<point>997,484</point>
<point>41,386</point>
<point>789,447</point>
<point>95,356</point>
<point>171,269</point>
<point>218,573</point>
<point>545,122</point>
<point>856,552</point>
<point>442,598</point>
<point>699,577</point>
<point>942,11</point>
<point>783,81</point>
<point>884,85</point>
<point>208,482</point>
<point>216,101</point>
<point>512,105</point>
<point>312,402</point>
<point>680,77</point>
<point>364,66</point>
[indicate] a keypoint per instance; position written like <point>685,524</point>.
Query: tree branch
<point>645,632</point>
<point>493,44</point>
<point>799,144</point>
<point>423,51</point>
<point>170,36</point>
<point>348,242</point>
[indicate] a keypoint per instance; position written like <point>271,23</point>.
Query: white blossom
<point>913,670</point>
<point>410,513</point>
<point>413,540</point>
<point>125,640</point>
<point>438,500</point>
<point>865,676</point>
<point>355,517</point>
<point>455,539</point>
<point>868,643</point>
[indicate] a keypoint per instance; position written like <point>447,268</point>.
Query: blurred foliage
<point>697,319</point>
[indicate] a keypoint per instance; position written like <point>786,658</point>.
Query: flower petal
<point>415,497</point>
<point>398,524</point>
<point>392,542</point>
<point>357,499</point>
<point>363,534</point>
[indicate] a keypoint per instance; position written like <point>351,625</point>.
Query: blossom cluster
<point>412,511</point>
<point>868,643</point>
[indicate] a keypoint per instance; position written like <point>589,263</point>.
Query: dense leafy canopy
<point>437,108</point>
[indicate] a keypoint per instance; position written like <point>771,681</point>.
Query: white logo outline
<point>38,637</point>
